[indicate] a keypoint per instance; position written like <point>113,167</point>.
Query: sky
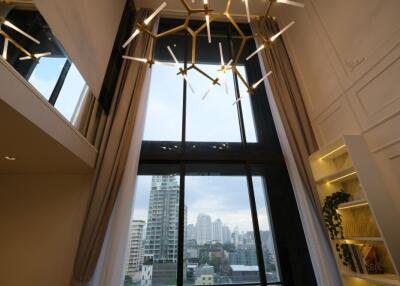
<point>44,78</point>
<point>213,119</point>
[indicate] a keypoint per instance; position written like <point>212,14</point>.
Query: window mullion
<point>60,82</point>
<point>257,236</point>
<point>184,104</point>
<point>181,221</point>
<point>237,92</point>
<point>181,227</point>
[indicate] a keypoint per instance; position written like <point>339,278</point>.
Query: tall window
<point>202,212</point>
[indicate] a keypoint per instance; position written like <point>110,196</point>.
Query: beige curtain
<point>91,120</point>
<point>290,104</point>
<point>298,142</point>
<point>112,158</point>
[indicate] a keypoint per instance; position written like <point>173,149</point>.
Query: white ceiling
<point>257,7</point>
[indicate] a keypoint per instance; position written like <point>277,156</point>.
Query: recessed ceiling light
<point>10,158</point>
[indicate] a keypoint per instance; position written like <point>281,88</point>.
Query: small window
<point>45,75</point>
<point>70,94</point>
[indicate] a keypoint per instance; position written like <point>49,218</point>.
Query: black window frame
<point>263,158</point>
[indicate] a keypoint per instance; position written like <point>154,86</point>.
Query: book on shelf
<point>359,265</point>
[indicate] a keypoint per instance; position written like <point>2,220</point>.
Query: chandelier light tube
<point>12,26</point>
<point>274,37</point>
<point>223,69</point>
<point>134,34</point>
<point>179,68</point>
<point>143,60</point>
<point>207,16</point>
<point>208,28</point>
<point>208,91</point>
<point>221,54</point>
<point>254,86</point>
<point>155,13</point>
<point>261,80</point>
<point>292,3</point>
<point>246,3</point>
<point>164,64</point>
<point>5,49</point>
<point>40,55</point>
<point>260,48</point>
<point>174,57</point>
<point>35,56</point>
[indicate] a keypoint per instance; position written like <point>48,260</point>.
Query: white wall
<point>346,55</point>
<point>87,30</point>
<point>41,216</point>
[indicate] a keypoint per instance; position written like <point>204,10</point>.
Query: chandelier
<point>209,16</point>
<point>8,39</point>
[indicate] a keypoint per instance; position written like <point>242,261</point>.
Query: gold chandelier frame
<point>212,16</point>
<point>8,38</point>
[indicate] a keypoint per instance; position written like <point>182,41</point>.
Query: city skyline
<point>228,248</point>
<point>218,202</point>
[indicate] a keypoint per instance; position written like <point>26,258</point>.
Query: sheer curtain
<point>298,142</point>
<point>106,226</point>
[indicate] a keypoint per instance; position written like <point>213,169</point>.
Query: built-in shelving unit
<point>368,218</point>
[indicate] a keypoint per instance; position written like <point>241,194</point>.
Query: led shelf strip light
<point>8,39</point>
<point>210,16</point>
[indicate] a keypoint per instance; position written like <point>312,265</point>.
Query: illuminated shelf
<point>363,238</point>
<point>353,204</point>
<point>338,176</point>
<point>382,279</point>
<point>331,152</point>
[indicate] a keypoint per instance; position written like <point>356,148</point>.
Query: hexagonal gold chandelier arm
<point>211,16</point>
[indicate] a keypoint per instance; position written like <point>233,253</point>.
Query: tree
<point>229,247</point>
<point>128,281</point>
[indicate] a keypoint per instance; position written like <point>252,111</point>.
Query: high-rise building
<point>162,221</point>
<point>203,229</point>
<point>243,256</point>
<point>235,236</point>
<point>226,234</point>
<point>135,251</point>
<point>217,231</point>
<point>191,232</point>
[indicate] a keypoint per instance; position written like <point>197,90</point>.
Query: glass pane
<point>45,75</point>
<point>247,110</point>
<point>153,238</point>
<point>214,119</point>
<point>267,240</point>
<point>164,107</point>
<point>70,93</point>
<point>219,244</point>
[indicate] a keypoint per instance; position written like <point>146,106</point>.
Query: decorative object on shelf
<point>371,259</point>
<point>333,221</point>
<point>210,16</point>
<point>8,39</point>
